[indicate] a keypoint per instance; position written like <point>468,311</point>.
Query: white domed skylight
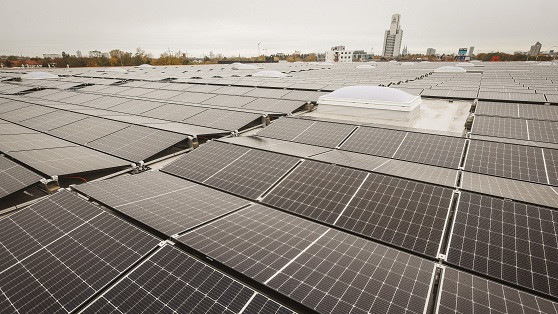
<point>450,69</point>
<point>464,64</point>
<point>366,66</point>
<point>145,66</point>
<point>241,66</point>
<point>370,96</point>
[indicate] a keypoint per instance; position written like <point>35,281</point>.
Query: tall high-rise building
<point>405,51</point>
<point>430,51</point>
<point>535,49</point>
<point>471,51</point>
<point>393,37</point>
<point>78,54</point>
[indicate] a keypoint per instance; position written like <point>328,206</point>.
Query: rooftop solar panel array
<point>14,177</point>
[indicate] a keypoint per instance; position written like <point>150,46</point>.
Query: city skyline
<point>233,29</point>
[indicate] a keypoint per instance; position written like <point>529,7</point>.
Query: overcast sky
<point>235,27</point>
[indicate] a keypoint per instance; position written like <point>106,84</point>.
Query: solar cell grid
<point>223,119</point>
<point>506,240</point>
<point>66,250</point>
<point>324,269</point>
<point>279,146</point>
<point>7,128</point>
<point>136,142</point>
<point>538,112</point>
<point>173,112</point>
<point>194,165</point>
<point>324,134</point>
<point>285,129</point>
<point>500,109</point>
<point>501,127</point>
<point>14,177</point>
<point>253,173</point>
<point>543,131</point>
<point>171,280</point>
<point>229,101</point>
<point>53,120</point>
<point>25,113</point>
<point>465,293</point>
<point>401,212</point>
<point>274,105</point>
<point>506,160</point>
<point>35,141</point>
<point>87,130</point>
<point>136,106</point>
<point>316,190</point>
<point>443,151</point>
<point>67,160</point>
<point>105,102</point>
<point>551,162</point>
<point>374,141</point>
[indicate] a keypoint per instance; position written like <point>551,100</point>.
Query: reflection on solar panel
<point>285,129</point>
<point>174,112</point>
<point>67,160</point>
<point>324,269</point>
<point>62,250</point>
<point>506,160</point>
<point>316,190</point>
<point>466,293</point>
<point>513,189</point>
<point>171,280</point>
<point>506,240</point>
<point>14,177</point>
<point>278,146</point>
<point>161,201</point>
<point>324,134</point>
<point>136,143</point>
<point>223,119</point>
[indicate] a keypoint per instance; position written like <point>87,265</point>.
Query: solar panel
<point>105,102</point>
<point>501,127</point>
<point>173,112</point>
<point>172,281</point>
<point>506,160</point>
<point>229,101</point>
<point>136,106</point>
<point>87,130</point>
<point>252,173</point>
<point>174,205</point>
<point>374,141</point>
<point>462,292</point>
<point>14,177</point>
<point>316,190</point>
<point>274,105</point>
<point>512,189</point>
<point>324,134</point>
<point>278,146</point>
<point>161,94</point>
<point>191,97</point>
<point>506,240</point>
<point>267,92</point>
<point>25,113</point>
<point>67,160</point>
<point>443,151</point>
<point>81,98</point>
<point>35,141</point>
<point>285,129</point>
<point>7,128</point>
<point>324,269</point>
<point>12,105</point>
<point>220,154</point>
<point>538,112</point>
<point>136,143</point>
<point>53,120</point>
<point>62,250</point>
<point>543,131</point>
<point>551,163</point>
<point>223,119</point>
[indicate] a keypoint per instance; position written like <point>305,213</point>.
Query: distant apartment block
<point>535,49</point>
<point>430,51</point>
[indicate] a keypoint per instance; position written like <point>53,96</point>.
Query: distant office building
<point>393,37</point>
<point>471,51</point>
<point>535,49</point>
<point>340,54</point>
<point>78,54</point>
<point>105,55</point>
<point>320,57</point>
<point>430,51</point>
<point>52,55</point>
